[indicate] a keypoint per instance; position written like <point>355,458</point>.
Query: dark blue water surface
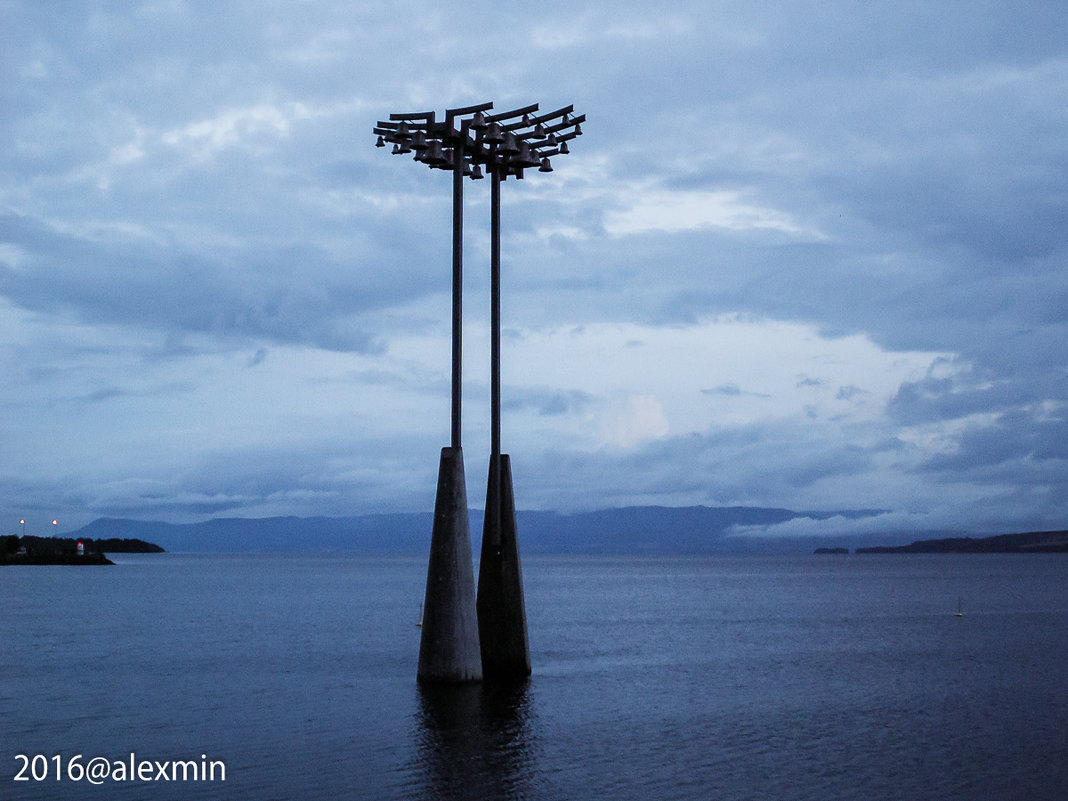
<point>821,677</point>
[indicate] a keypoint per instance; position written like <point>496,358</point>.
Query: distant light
<point>55,522</point>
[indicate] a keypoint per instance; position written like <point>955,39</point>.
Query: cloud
<point>733,390</point>
<point>1019,439</point>
<point>723,389</point>
<point>258,358</point>
<point>234,127</point>
<point>890,525</point>
<point>673,211</point>
<point>194,293</point>
<point>641,418</point>
<point>589,27</point>
<point>549,401</point>
<point>802,256</point>
<point>848,392</point>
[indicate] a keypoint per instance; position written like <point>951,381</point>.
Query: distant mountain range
<point>630,530</point>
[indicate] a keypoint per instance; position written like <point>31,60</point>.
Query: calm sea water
<point>721,677</point>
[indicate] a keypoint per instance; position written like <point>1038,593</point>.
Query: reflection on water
<point>474,741</point>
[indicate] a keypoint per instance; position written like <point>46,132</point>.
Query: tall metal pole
<point>457,284</point>
<point>491,531</point>
<point>495,311</point>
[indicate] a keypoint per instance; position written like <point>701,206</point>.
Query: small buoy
<point>959,612</point>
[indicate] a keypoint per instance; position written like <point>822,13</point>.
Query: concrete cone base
<point>502,618</point>
<point>449,647</point>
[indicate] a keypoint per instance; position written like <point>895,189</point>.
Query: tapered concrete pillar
<point>502,617</point>
<point>449,647</point>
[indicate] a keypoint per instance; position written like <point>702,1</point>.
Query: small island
<point>28,550</point>
<point>1028,542</point>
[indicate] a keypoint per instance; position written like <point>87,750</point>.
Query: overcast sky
<point>806,254</point>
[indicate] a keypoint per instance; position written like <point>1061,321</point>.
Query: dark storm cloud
<point>1013,438</point>
<point>286,295</point>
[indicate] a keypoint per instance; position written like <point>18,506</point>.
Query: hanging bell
<point>478,122</point>
<point>381,142</point>
<point>433,155</point>
<point>525,157</point>
<point>545,165</point>
<point>493,135</point>
<point>509,146</point>
<point>476,172</point>
<point>539,131</point>
<point>419,141</point>
<point>563,148</point>
<point>403,134</point>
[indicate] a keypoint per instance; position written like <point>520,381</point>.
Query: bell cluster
<point>480,143</point>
